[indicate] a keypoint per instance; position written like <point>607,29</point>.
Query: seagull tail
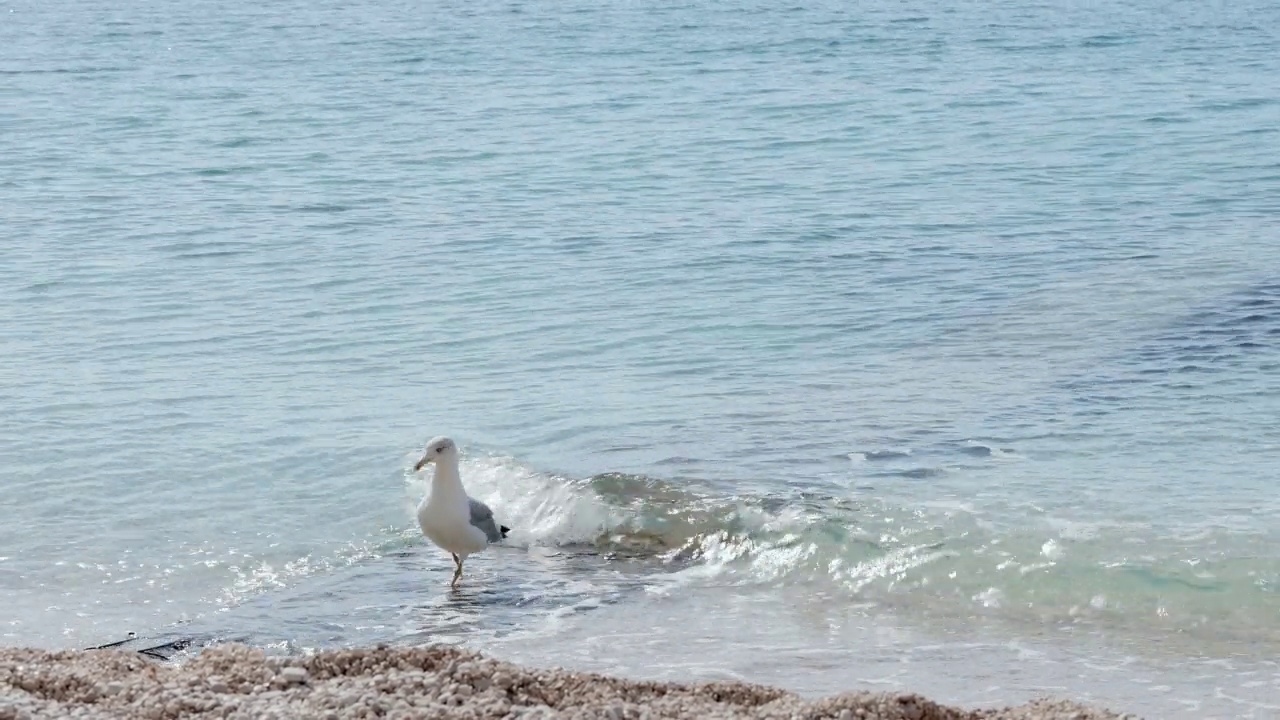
<point>504,530</point>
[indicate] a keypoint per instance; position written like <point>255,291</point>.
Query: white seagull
<point>457,523</point>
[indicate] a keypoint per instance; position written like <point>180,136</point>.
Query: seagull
<point>457,523</point>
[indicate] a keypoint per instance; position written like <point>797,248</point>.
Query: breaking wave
<point>951,560</point>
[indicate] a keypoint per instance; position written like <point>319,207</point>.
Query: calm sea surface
<point>883,344</point>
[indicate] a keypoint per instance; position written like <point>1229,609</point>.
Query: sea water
<point>880,345</point>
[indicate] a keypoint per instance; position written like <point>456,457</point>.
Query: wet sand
<point>234,681</point>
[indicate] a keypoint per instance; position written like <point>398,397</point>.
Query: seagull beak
<point>421,463</point>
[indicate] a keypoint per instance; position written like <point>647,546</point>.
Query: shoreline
<point>236,681</point>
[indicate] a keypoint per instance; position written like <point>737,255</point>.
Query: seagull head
<point>438,447</point>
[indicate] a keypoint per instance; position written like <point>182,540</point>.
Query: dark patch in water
<point>64,71</point>
<point>1207,342</point>
<point>235,142</point>
<point>219,172</point>
<point>1100,41</point>
<point>1162,580</point>
<point>212,255</point>
<point>676,460</point>
<point>875,455</point>
<point>921,473</point>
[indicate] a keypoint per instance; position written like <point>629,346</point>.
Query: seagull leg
<point>457,573</point>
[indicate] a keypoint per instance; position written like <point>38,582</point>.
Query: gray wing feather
<point>482,517</point>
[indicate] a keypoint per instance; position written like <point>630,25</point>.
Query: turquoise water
<point>927,347</point>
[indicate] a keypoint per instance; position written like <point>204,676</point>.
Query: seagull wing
<point>482,517</point>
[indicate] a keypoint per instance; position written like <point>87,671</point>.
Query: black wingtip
<point>504,530</point>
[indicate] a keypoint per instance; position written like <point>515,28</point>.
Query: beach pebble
<point>911,710</point>
<point>294,675</point>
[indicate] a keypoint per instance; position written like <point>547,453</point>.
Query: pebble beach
<point>236,681</point>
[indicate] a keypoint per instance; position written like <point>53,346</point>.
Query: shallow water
<point>948,332</point>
